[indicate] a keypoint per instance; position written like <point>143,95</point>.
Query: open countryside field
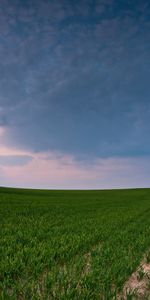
<point>71,244</point>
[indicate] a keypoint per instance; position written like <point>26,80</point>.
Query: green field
<point>71,244</point>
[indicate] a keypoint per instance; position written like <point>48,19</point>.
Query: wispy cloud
<point>13,160</point>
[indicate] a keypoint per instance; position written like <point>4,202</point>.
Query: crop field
<point>71,244</point>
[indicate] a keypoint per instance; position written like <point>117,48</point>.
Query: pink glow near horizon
<point>65,172</point>
<point>54,170</point>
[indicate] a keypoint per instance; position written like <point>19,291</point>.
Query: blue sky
<point>75,93</point>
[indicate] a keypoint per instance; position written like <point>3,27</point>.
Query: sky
<point>75,93</point>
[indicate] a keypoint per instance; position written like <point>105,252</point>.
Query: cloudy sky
<point>75,93</point>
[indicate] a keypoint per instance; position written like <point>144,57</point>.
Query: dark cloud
<point>74,76</point>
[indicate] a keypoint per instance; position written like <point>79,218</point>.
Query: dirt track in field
<point>138,285</point>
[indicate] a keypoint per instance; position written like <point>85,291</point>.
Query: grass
<point>71,244</point>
